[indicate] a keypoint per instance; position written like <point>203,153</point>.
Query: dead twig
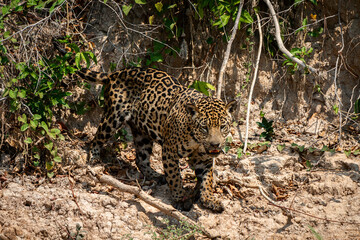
<point>2,128</point>
<point>281,43</point>
<point>310,24</point>
<point>253,81</point>
<point>73,194</point>
<point>227,52</point>
<point>337,72</point>
<point>138,192</point>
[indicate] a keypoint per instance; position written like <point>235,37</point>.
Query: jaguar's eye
<point>224,127</point>
<point>204,129</point>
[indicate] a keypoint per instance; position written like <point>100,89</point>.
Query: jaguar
<point>157,108</point>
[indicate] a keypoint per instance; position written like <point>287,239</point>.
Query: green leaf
<point>311,149</point>
<point>44,126</point>
<point>157,58</point>
<point>325,148</point>
<point>159,6</point>
<point>24,127</point>
<point>210,40</point>
<point>52,7</point>
<point>93,57</point>
<point>224,19</point>
<point>52,135</point>
<point>74,47</point>
<point>356,152</point>
<point>34,123</point>
<point>239,152</point>
<point>316,32</point>
<point>140,1</point>
<point>22,93</point>
<point>308,164</point>
<point>151,19</point>
<point>57,159</point>
<point>5,10</point>
<point>55,130</point>
<point>280,147</point>
<point>226,149</point>
<point>126,9</point>
<point>305,21</point>
<point>172,25</point>
<point>49,146</point>
<point>49,174</point>
<point>40,5</point>
<point>315,233</point>
<point>246,17</point>
<point>13,93</point>
<point>86,57</point>
<point>61,137</point>
<point>77,60</point>
<point>262,114</point>
<point>54,151</point>
<point>28,140</point>
<point>209,86</point>
<point>172,6</point>
<point>40,94</point>
<point>301,148</point>
<point>22,118</point>
<point>36,117</point>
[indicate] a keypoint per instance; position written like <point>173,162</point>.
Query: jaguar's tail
<point>93,76</point>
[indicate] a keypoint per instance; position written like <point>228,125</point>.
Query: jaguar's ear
<point>192,109</point>
<point>231,106</point>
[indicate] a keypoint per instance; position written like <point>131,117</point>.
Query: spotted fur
<point>185,122</point>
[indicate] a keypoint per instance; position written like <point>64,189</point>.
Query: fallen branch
<point>138,192</point>
<point>227,52</point>
<point>281,43</point>
<point>253,81</point>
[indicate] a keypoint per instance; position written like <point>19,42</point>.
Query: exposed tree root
<point>138,192</point>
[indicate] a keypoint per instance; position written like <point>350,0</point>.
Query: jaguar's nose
<point>215,145</point>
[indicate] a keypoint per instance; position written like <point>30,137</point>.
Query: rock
<point>315,125</point>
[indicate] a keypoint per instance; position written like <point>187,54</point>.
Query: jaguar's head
<point>211,119</point>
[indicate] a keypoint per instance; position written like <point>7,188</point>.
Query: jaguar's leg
<point>173,178</point>
<point>144,146</point>
<point>204,187</point>
<point>107,128</point>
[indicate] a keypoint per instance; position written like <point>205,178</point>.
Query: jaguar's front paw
<point>183,205</point>
<point>212,203</point>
